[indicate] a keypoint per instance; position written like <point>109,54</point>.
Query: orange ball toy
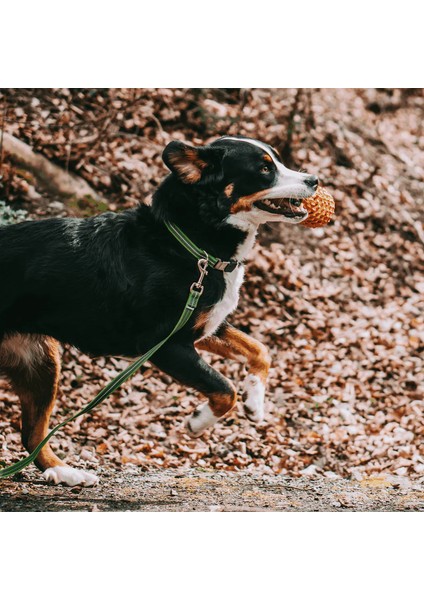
<point>320,208</point>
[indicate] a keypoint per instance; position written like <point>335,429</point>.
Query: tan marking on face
<point>188,165</point>
<point>245,203</point>
<point>267,158</point>
<point>229,190</point>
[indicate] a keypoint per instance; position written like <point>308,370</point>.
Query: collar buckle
<point>212,261</point>
<point>226,266</point>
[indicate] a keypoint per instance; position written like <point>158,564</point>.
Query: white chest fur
<point>227,304</point>
<point>233,281</point>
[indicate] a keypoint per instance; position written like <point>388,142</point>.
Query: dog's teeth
<point>271,204</point>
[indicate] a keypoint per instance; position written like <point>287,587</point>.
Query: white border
<point>220,44</point>
<point>219,555</point>
<point>192,44</point>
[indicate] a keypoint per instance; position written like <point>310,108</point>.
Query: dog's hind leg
<point>32,364</point>
<point>229,342</point>
<point>184,364</point>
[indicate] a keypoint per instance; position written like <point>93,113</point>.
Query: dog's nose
<point>312,181</point>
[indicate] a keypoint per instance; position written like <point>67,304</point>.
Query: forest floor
<point>211,490</point>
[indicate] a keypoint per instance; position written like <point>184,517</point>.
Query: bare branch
<point>52,178</point>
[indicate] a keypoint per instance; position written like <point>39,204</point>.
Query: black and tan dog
<point>115,284</point>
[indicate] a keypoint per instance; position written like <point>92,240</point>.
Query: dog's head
<point>239,180</point>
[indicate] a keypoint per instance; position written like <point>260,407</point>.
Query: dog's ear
<point>190,164</point>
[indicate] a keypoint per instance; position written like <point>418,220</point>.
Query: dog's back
<point>27,254</point>
<point>60,265</point>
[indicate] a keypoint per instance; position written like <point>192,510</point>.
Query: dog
<point>115,284</point>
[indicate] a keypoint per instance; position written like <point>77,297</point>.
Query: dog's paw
<point>200,420</point>
<point>70,476</point>
<point>253,398</point>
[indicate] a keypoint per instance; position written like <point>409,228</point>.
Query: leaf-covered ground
<point>341,308</point>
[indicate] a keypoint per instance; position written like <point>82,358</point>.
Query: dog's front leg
<point>229,342</point>
<point>182,362</point>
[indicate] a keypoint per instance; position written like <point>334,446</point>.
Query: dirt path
<point>198,490</point>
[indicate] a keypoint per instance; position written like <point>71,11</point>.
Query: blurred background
<point>340,308</point>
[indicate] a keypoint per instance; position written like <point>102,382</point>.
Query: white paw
<point>201,419</point>
<point>70,476</point>
<point>253,398</point>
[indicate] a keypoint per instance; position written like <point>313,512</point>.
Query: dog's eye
<point>265,169</point>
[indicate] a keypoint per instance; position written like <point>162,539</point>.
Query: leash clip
<point>202,264</point>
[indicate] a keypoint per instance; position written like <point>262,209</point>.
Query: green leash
<point>213,262</point>
<point>196,290</point>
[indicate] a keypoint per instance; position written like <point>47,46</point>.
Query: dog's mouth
<point>291,208</point>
